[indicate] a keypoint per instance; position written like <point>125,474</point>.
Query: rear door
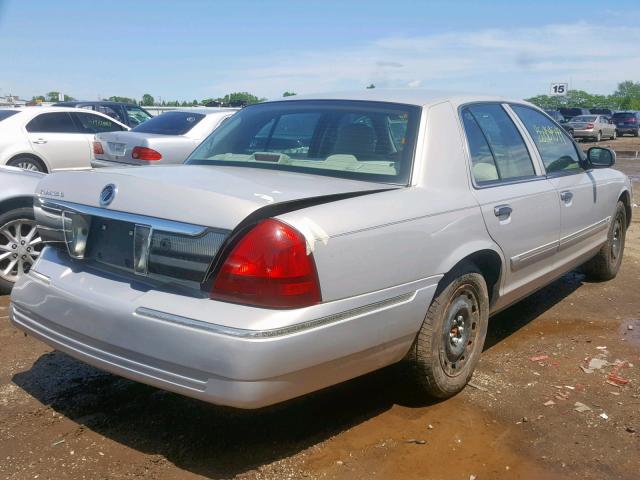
<point>519,205</point>
<point>586,197</point>
<point>55,137</point>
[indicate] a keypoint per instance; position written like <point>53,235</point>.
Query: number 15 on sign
<point>559,88</point>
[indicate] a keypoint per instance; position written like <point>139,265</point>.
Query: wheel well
<point>30,155</point>
<point>490,265</point>
<point>624,198</point>
<point>15,202</point>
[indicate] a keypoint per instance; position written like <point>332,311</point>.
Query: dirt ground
<point>61,419</point>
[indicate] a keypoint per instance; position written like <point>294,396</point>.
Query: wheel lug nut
<point>14,246</point>
<point>22,242</point>
<point>28,249</point>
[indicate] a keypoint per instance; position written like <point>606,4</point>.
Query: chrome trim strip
<point>40,276</point>
<point>156,223</point>
<point>580,235</point>
<point>275,332</point>
<point>533,255</point>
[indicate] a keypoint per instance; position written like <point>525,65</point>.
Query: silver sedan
<point>311,240</point>
<point>167,138</point>
<point>595,127</point>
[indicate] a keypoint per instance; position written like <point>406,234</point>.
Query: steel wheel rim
<point>460,329</point>
<point>616,243</point>
<point>20,247</point>
<point>28,166</point>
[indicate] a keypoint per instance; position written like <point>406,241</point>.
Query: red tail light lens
<point>144,153</point>
<point>589,125</point>
<point>269,267</point>
<point>631,120</point>
<point>97,148</point>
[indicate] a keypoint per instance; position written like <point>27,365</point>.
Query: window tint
<point>511,158</point>
<point>482,163</point>
<point>136,115</point>
<point>363,140</point>
<point>7,113</point>
<point>96,124</point>
<point>170,123</point>
<point>59,122</point>
<point>557,150</point>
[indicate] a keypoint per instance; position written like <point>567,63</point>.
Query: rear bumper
<point>99,163</point>
<point>584,133</point>
<point>623,130</point>
<point>220,353</point>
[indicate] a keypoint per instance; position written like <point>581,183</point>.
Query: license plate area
<point>117,149</point>
<point>111,242</point>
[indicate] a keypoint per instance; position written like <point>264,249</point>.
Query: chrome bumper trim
<point>276,332</point>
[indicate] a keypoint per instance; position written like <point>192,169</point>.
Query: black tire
<point>26,214</point>
<point>605,265</point>
<point>614,135</point>
<point>441,367</point>
<point>28,163</point>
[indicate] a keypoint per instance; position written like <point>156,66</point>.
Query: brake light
<point>97,148</point>
<point>589,125</point>
<point>632,120</point>
<point>144,153</point>
<point>269,267</point>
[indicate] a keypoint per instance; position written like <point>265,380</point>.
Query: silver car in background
<point>20,243</point>
<point>594,127</point>
<point>311,240</point>
<point>167,138</point>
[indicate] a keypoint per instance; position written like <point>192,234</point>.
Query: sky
<point>190,49</point>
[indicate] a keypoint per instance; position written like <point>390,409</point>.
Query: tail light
<point>632,120</point>
<point>589,125</point>
<point>144,153</point>
<point>269,267</point>
<point>97,148</point>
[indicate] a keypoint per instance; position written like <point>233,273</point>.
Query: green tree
<point>148,100</point>
<point>55,97</point>
<point>116,98</point>
<point>195,102</point>
<point>370,86</point>
<point>38,98</point>
<point>289,94</point>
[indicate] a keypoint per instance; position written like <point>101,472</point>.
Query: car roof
<point>409,96</point>
<point>92,102</point>
<point>203,110</point>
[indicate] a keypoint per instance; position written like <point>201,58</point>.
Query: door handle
<point>566,196</point>
<point>40,141</point>
<point>502,211</point>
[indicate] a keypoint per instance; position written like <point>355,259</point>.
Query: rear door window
<point>58,122</point>
<point>503,155</point>
<point>170,123</point>
<point>90,123</point>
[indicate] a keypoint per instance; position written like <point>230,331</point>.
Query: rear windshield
<point>170,123</point>
<point>622,115</point>
<point>370,141</point>
<point>571,112</point>
<point>584,118</point>
<point>7,113</point>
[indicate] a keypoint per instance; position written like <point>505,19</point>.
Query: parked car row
<point>310,240</point>
<point>597,123</point>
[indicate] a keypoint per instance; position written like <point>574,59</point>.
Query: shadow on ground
<point>219,442</point>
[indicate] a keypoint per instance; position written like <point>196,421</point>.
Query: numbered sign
<point>559,88</point>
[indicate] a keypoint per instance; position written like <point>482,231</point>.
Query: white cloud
<point>516,61</point>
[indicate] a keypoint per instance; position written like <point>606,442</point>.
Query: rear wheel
<point>20,246</point>
<point>28,163</point>
<point>605,265</point>
<point>450,341</point>
<point>598,137</point>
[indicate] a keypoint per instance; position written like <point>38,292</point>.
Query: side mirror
<point>598,157</point>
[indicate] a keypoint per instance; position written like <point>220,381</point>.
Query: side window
<point>58,122</point>
<point>557,151</point>
<point>95,123</point>
<point>501,146</point>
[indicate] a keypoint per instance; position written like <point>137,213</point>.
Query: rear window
<point>623,115</point>
<point>571,112</point>
<point>584,118</point>
<point>170,123</point>
<point>7,113</point>
<point>369,141</point>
